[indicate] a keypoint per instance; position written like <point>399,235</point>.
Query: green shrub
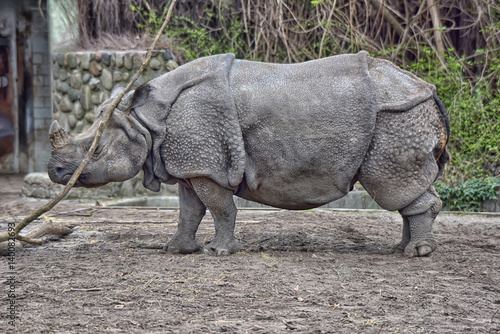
<point>150,18</point>
<point>195,41</point>
<point>473,104</point>
<point>468,196</point>
<point>468,86</point>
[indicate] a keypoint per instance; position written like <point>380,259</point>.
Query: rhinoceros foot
<point>223,247</point>
<point>418,217</point>
<point>418,248</point>
<point>182,244</point>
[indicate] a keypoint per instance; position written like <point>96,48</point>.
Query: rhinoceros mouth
<point>62,176</point>
<point>84,181</point>
<point>59,175</point>
<point>65,179</point>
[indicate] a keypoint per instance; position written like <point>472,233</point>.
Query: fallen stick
<point>78,289</point>
<point>12,235</point>
<point>45,228</point>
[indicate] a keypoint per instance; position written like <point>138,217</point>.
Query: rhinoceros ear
<point>135,98</point>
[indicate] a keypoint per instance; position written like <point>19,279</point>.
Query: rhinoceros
<point>292,136</point>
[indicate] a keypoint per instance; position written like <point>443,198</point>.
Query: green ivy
<point>196,41</point>
<point>468,196</point>
<point>473,104</point>
<point>472,99</point>
<point>152,22</point>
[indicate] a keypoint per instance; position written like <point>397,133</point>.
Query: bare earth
<point>302,272</point>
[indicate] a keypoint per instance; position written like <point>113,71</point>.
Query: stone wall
<point>81,82</point>
<point>38,185</point>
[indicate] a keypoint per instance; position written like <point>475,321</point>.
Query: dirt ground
<point>302,272</point>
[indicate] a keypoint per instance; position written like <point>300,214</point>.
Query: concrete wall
<point>64,28</point>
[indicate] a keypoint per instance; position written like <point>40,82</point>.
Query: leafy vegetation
<point>469,196</point>
<point>473,104</point>
<point>453,45</point>
<point>149,20</point>
<point>195,41</point>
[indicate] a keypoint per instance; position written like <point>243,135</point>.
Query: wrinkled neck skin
<point>129,158</point>
<point>154,166</point>
<point>146,163</point>
<point>133,150</point>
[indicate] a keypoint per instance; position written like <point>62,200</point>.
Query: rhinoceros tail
<point>442,154</point>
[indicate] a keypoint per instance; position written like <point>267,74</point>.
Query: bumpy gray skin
<point>290,136</point>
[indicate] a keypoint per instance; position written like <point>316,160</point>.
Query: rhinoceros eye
<point>97,152</point>
<point>99,111</point>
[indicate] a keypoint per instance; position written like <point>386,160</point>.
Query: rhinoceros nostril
<point>60,171</point>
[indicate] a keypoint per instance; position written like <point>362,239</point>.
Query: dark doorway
<point>7,131</point>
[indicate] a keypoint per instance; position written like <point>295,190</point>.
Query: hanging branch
<point>436,23</point>
<point>320,53</point>
<point>38,212</point>
<point>389,17</point>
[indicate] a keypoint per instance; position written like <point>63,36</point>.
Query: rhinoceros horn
<point>58,137</point>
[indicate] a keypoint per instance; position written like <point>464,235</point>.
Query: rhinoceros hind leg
<point>400,248</point>
<point>418,218</point>
<point>221,205</point>
<point>192,211</point>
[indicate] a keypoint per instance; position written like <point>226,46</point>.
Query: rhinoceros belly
<point>297,171</point>
<point>306,129</point>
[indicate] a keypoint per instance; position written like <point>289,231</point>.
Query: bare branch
<point>34,215</point>
<point>436,22</point>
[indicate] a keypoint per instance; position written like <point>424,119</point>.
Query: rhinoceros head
<point>120,155</point>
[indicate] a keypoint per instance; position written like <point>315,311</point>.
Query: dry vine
<point>297,30</point>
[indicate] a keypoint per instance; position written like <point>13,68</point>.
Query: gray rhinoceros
<point>293,136</point>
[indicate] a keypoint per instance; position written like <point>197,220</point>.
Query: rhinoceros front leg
<point>221,205</point>
<point>418,218</point>
<point>192,211</point>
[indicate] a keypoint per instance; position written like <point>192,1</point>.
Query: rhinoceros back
<point>308,126</point>
<point>288,135</point>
